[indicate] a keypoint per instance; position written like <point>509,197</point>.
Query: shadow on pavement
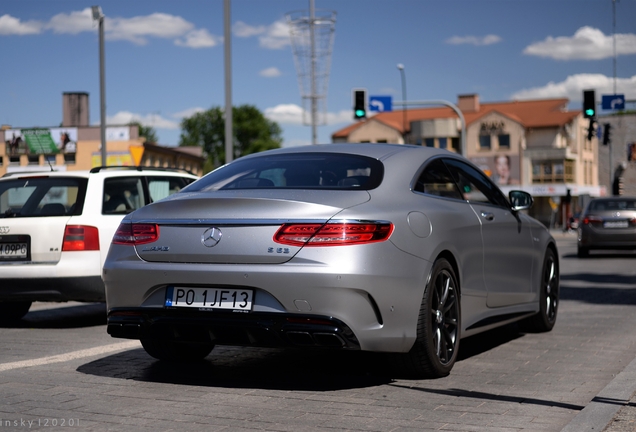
<point>478,344</point>
<point>493,397</point>
<point>237,367</point>
<point>604,296</point>
<point>601,255</point>
<point>277,368</point>
<point>84,315</point>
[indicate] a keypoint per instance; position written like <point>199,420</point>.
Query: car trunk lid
<point>234,227</point>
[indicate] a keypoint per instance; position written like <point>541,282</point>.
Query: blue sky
<point>164,58</point>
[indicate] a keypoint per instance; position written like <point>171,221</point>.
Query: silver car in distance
<point>377,247</point>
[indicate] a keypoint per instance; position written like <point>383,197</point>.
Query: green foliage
<point>252,131</point>
<point>147,132</point>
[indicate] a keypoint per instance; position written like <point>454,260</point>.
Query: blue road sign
<point>380,103</point>
<point>613,102</point>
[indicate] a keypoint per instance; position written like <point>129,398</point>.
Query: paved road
<point>59,366</point>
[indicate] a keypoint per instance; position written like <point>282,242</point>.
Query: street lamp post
<point>99,17</point>
<point>400,67</point>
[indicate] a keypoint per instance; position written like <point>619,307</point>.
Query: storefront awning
<point>557,190</point>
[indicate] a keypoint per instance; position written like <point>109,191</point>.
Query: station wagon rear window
<point>42,196</point>
<point>297,171</point>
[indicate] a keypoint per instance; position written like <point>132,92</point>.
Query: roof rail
<point>17,173</point>
<point>139,168</point>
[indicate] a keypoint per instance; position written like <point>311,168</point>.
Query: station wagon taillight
<point>80,238</point>
<point>136,233</point>
<point>332,234</point>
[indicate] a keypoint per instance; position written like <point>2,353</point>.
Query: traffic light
<point>359,104</point>
<point>607,138</point>
<point>591,130</point>
<point>589,104</point>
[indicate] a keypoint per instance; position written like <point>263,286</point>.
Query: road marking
<point>60,358</point>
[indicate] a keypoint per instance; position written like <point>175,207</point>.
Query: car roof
<point>111,171</point>
<point>374,150</point>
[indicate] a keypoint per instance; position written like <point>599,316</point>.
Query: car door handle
<point>487,215</point>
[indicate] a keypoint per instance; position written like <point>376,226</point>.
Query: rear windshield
<point>42,196</point>
<point>610,205</point>
<point>297,171</point>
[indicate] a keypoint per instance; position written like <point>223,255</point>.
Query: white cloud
<point>293,114</point>
<point>274,36</point>
<point>153,120</point>
<point>474,40</point>
<point>73,23</point>
<point>573,86</point>
<point>344,116</point>
<point>285,114</point>
<point>271,72</point>
<point>136,29</point>
<point>199,39</point>
<point>240,29</point>
<point>587,44</point>
<point>13,26</point>
<point>188,112</point>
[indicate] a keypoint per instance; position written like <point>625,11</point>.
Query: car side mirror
<point>520,200</point>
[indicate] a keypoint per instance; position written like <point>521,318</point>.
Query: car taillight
<point>136,233</point>
<point>592,220</point>
<point>80,238</point>
<point>332,234</point>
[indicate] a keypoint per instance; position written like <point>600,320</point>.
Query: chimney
<point>75,109</point>
<point>468,103</point>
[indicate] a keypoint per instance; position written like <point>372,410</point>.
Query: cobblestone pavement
<point>577,377</point>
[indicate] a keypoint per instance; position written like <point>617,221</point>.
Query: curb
<point>601,410</point>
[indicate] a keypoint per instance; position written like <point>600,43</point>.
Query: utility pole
<point>229,135</point>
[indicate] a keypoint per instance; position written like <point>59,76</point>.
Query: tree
<point>252,131</point>
<point>147,132</point>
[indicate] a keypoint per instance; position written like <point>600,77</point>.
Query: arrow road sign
<point>613,102</point>
<point>380,103</point>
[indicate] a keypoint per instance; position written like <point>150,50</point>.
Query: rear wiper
<point>9,213</point>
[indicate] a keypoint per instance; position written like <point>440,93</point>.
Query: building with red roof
<point>534,145</point>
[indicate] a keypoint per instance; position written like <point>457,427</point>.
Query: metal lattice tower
<point>312,38</point>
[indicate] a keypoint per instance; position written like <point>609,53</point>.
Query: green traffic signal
<point>589,112</point>
<point>359,113</point>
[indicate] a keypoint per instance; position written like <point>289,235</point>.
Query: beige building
<point>77,146</point>
<point>537,145</point>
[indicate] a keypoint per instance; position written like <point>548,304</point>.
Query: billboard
<point>502,169</point>
<point>41,140</point>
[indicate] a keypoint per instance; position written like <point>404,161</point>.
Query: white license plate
<point>209,298</point>
<point>13,250</point>
<point>615,224</point>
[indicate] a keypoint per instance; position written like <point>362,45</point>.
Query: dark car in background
<point>609,224</point>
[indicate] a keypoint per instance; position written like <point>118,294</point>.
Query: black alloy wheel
<point>438,329</point>
<point>545,319</point>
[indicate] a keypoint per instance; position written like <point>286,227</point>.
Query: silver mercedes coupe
<point>377,247</point>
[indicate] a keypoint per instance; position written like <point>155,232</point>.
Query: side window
<point>474,185</point>
<point>161,187</point>
<point>122,195</point>
<point>437,180</point>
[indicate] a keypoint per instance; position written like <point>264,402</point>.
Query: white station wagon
<point>56,228</point>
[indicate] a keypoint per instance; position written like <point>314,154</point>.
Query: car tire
<point>582,252</point>
<point>545,319</point>
<point>13,311</point>
<point>438,327</point>
<point>176,351</point>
